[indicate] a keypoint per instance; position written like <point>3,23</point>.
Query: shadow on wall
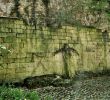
<point>66,56</point>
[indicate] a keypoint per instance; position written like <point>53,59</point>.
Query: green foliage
<point>4,51</point>
<point>48,98</point>
<point>32,95</point>
<point>98,5</point>
<point>17,94</point>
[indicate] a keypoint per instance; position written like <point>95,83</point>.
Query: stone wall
<point>39,51</point>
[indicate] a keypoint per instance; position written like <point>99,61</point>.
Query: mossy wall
<point>33,50</point>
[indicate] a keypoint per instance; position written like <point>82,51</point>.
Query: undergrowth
<point>10,93</point>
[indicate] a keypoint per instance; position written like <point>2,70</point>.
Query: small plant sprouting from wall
<point>4,51</point>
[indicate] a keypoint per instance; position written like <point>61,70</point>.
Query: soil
<point>97,88</point>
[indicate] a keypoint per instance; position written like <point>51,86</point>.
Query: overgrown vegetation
<point>9,93</point>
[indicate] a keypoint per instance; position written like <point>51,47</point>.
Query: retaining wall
<point>41,50</point>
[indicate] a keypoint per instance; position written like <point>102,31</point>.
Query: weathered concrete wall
<point>39,51</point>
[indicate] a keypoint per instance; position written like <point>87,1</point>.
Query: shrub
<point>8,93</point>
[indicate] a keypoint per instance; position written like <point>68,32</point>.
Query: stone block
<point>21,35</point>
<point>30,69</point>
<point>10,77</point>
<point>9,39</point>
<point>13,55</point>
<point>3,29</point>
<point>2,70</point>
<point>9,60</point>
<point>2,77</point>
<point>21,55</point>
<point>1,39</point>
<point>18,22</point>
<point>13,65</point>
<point>1,60</point>
<point>20,69</point>
<point>10,71</point>
<point>28,59</point>
<point>2,34</point>
<point>21,76</point>
<point>20,60</point>
<point>19,30</point>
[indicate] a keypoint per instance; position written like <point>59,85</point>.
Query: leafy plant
<point>8,93</point>
<point>32,95</point>
<point>4,51</point>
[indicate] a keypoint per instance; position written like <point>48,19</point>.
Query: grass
<point>9,93</point>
